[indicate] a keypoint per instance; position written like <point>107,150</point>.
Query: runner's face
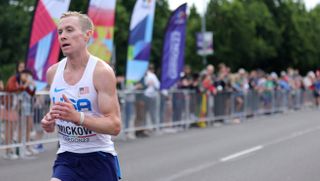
<point>71,38</point>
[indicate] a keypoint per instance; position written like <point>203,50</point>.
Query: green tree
<point>193,26</point>
<point>267,35</point>
<point>314,16</point>
<point>79,5</point>
<point>234,34</point>
<point>15,25</point>
<point>121,35</point>
<point>162,15</point>
<point>295,47</point>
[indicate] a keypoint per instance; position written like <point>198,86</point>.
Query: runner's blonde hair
<point>85,22</point>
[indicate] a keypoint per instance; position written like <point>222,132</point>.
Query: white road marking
<point>292,136</point>
<point>201,167</point>
<point>241,153</point>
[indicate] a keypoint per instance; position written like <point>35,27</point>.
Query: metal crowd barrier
<point>181,109</point>
<point>185,108</point>
<point>20,118</point>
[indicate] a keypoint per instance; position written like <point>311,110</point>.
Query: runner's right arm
<point>47,122</point>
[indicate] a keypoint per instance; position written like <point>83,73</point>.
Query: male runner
<point>84,106</point>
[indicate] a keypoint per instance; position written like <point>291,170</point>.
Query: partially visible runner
<point>84,106</point>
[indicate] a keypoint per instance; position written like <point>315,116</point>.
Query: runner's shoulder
<point>103,74</point>
<point>103,68</point>
<point>51,72</point>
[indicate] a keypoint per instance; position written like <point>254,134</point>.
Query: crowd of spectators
<point>143,103</point>
<point>17,112</point>
<point>210,86</point>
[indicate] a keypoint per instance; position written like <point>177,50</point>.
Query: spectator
<point>207,88</point>
<point>187,74</point>
<point>253,96</point>
<point>1,84</point>
<point>40,109</point>
<point>178,97</point>
<point>240,86</point>
<point>2,108</point>
<point>207,85</point>
<point>166,109</point>
<point>140,107</point>
<point>23,85</point>
<point>309,80</point>
<point>222,78</point>
<point>26,99</point>
<point>222,98</point>
<point>283,83</point>
<point>11,104</point>
<point>253,80</point>
<point>317,88</point>
<point>130,99</point>
<point>195,100</point>
<point>151,93</point>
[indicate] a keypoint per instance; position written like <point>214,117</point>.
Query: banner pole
<point>203,29</point>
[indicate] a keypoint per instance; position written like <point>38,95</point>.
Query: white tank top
<point>83,95</point>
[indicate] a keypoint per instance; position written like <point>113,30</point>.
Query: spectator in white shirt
<point>152,84</point>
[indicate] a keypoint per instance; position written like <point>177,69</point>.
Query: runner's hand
<point>65,111</point>
<point>48,123</point>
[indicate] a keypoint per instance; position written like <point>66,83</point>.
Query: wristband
<point>81,118</point>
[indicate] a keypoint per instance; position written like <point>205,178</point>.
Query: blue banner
<point>173,48</point>
<point>140,38</point>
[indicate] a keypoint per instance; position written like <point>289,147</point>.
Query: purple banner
<point>173,48</point>
<point>205,43</point>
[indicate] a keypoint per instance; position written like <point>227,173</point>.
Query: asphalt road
<point>282,147</point>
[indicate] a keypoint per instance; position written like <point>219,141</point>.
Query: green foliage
<point>121,34</point>
<point>162,15</point>
<point>6,71</point>
<point>79,5</point>
<point>15,24</point>
<point>267,34</point>
<point>193,26</point>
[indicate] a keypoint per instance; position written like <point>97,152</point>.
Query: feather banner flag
<point>173,47</point>
<point>43,49</point>
<point>140,38</point>
<point>102,13</point>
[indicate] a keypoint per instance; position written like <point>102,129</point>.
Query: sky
<point>175,3</point>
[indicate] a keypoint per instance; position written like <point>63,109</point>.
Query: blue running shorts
<point>96,166</point>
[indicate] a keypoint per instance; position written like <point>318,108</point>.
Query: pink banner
<point>43,45</point>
